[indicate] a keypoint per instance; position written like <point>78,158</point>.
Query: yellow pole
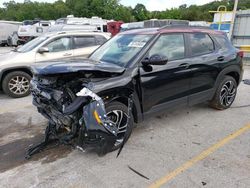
<point>221,13</point>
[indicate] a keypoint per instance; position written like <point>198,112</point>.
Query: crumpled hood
<point>76,65</point>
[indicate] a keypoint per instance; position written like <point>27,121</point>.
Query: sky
<point>150,4</point>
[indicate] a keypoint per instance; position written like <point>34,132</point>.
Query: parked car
<point>156,69</point>
<point>15,73</point>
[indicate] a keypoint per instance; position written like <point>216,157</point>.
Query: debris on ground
<point>138,173</point>
<point>246,81</point>
<point>204,183</point>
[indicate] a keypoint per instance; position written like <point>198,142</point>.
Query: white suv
<point>15,71</point>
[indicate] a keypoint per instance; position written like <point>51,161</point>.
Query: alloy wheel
<point>228,93</point>
<point>19,85</point>
<point>120,118</point>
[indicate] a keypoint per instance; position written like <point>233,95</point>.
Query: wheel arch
<point>235,75</point>
<point>233,71</point>
<point>122,96</point>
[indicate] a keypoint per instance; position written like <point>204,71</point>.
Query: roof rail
<point>60,32</point>
<point>183,25</point>
<point>76,31</point>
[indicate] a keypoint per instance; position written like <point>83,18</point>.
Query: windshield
<point>121,49</point>
<point>32,44</point>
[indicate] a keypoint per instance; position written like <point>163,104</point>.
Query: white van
<point>7,28</point>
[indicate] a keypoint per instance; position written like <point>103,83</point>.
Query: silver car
<point>15,71</point>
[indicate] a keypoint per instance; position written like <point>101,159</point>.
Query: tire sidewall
<point>216,100</point>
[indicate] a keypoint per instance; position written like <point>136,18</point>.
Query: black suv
<point>136,74</point>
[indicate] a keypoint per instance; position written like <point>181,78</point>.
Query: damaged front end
<point>76,114</point>
<point>96,130</point>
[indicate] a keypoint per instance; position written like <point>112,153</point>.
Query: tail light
<point>241,54</point>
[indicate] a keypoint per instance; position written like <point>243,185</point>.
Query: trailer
<point>99,23</point>
<point>153,23</point>
<point>32,29</point>
<point>7,28</point>
<point>114,27</point>
<point>67,27</point>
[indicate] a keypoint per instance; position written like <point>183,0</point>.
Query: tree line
<point>109,9</point>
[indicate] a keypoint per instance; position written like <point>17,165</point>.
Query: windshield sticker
<point>136,44</point>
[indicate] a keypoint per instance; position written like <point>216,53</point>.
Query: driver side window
<point>170,46</point>
<point>60,44</point>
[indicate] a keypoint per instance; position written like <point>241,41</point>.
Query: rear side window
<point>84,41</point>
<point>200,44</point>
<point>223,41</point>
<point>169,45</point>
<point>100,39</point>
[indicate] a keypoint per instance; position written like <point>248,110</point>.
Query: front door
<point>166,85</point>
<point>60,48</point>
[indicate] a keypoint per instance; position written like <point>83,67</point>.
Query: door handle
<point>221,58</point>
<point>67,54</point>
<point>184,65</point>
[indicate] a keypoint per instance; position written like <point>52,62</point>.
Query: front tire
<point>118,112</point>
<point>225,94</point>
<point>17,84</point>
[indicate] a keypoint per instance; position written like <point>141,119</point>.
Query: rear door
<point>84,45</point>
<point>59,48</point>
<point>166,85</point>
<point>203,58</point>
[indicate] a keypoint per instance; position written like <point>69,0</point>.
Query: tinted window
<point>201,44</point>
<point>59,45</point>
<point>223,41</point>
<point>45,24</point>
<point>86,41</point>
<point>171,46</point>
<point>100,39</point>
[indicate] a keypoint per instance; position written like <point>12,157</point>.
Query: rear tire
<point>225,94</point>
<point>113,110</point>
<point>16,84</point>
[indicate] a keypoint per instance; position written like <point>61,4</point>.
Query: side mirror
<point>43,50</point>
<point>155,59</point>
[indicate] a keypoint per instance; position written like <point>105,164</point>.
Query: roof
<point>10,22</point>
<point>54,33</point>
<point>173,29</point>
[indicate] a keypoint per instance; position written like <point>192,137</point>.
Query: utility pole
<point>233,19</point>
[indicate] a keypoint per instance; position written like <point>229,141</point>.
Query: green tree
<point>109,9</point>
<point>124,14</point>
<point>140,12</point>
<point>184,6</point>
